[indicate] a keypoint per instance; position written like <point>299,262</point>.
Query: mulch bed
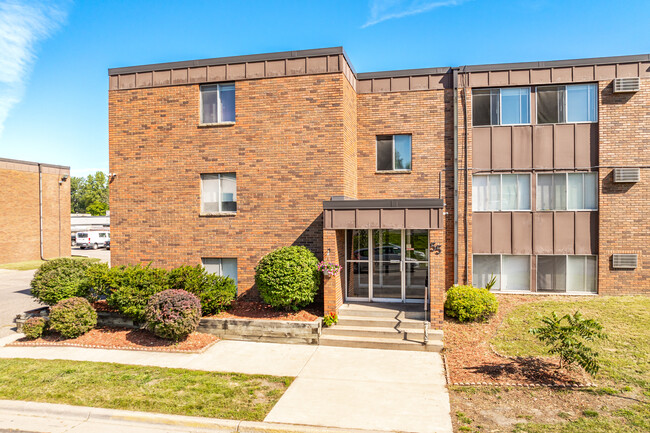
<point>125,339</point>
<point>470,358</point>
<point>256,310</point>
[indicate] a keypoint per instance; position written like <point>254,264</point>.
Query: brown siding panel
<point>344,219</point>
<point>543,146</point>
<point>522,147</point>
<point>368,218</point>
<point>482,232</point>
<point>502,233</point>
<point>586,145</point>
<point>586,228</point>
<point>481,151</point>
<point>543,233</point>
<point>564,146</point>
<point>564,232</point>
<point>392,218</point>
<point>501,147</point>
<point>522,233</point>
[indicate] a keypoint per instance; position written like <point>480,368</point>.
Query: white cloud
<point>22,25</point>
<point>382,10</point>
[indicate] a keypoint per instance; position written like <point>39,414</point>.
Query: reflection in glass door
<point>396,271</point>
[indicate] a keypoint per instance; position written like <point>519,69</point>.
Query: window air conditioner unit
<point>623,175</point>
<point>624,85</point>
<point>624,261</point>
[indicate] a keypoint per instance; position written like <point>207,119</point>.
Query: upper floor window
<point>507,106</point>
<point>219,193</point>
<point>393,152</point>
<point>217,103</point>
<point>567,104</point>
<point>221,267</point>
<point>500,192</point>
<point>567,191</point>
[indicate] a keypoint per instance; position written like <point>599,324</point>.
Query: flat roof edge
<point>19,161</point>
<point>400,203</point>
<point>556,63</point>
<point>281,55</point>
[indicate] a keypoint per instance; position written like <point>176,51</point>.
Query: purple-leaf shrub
<point>173,314</point>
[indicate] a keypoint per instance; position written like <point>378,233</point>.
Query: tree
<point>89,194</point>
<point>568,341</point>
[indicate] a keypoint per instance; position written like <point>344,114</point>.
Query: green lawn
<point>625,357</point>
<point>149,389</point>
<point>35,264</point>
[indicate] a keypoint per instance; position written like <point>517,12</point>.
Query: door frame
<point>371,262</point>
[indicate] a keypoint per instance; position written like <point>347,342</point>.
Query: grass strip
<point>35,264</point>
<point>140,388</point>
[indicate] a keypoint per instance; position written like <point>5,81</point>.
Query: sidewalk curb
<point>180,422</point>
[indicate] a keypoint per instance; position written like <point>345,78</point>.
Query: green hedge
<point>288,278</point>
<point>72,317</point>
<point>59,279</point>
<point>216,293</point>
<point>467,303</point>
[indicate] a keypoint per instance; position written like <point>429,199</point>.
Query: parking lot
<point>101,253</point>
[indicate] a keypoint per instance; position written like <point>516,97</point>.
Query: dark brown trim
<point>557,63</point>
<point>18,161</point>
<point>402,203</point>
<point>403,73</point>
<point>233,59</point>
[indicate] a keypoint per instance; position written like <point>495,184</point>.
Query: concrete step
<point>401,311</point>
<point>380,322</point>
<point>382,332</point>
<point>379,343</point>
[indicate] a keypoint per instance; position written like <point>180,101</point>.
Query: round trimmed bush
<point>215,292</point>
<point>34,327</point>
<point>288,278</point>
<point>72,317</point>
<point>60,279</point>
<point>467,303</point>
<point>129,288</point>
<point>173,314</point>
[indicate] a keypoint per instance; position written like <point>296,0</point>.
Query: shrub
<point>467,303</point>
<point>130,287</point>
<point>34,327</point>
<point>60,279</point>
<point>288,277</point>
<point>568,341</point>
<point>216,293</point>
<point>173,314</point>
<point>98,281</point>
<point>72,317</point>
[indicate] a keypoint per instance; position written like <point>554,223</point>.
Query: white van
<point>92,239</point>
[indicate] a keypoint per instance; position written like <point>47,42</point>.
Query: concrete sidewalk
<point>22,416</point>
<point>340,387</point>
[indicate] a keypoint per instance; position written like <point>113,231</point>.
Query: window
<point>221,267</point>
<point>562,104</point>
<point>567,274</point>
<point>393,152</point>
<point>512,272</point>
<point>567,191</point>
<point>500,192</point>
<point>508,106</point>
<point>218,103</point>
<point>218,193</point>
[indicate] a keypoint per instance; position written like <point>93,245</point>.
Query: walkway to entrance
<point>368,389</point>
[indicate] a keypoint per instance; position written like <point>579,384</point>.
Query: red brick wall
<point>285,149</point>
<point>19,219</point>
<point>624,210</point>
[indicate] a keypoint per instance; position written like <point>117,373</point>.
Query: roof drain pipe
<point>465,177</point>
<point>455,84</point>
<point>40,207</point>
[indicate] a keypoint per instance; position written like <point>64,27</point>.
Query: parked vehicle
<point>73,239</point>
<point>108,244</point>
<point>92,239</point>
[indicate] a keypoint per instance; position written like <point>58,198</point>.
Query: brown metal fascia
<point>409,203</point>
<point>233,59</point>
<point>403,73</point>
<point>593,61</point>
<point>18,161</point>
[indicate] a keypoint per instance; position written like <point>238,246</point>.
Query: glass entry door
<point>387,265</point>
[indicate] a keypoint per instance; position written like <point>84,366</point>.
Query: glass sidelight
<point>389,265</point>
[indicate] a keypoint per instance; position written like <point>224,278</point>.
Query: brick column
<point>333,251</point>
<point>437,270</point>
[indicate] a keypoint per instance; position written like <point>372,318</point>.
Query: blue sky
<point>54,55</point>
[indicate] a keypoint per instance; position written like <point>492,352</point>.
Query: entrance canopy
<point>417,213</point>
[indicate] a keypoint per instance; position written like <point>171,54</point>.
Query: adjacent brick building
<point>31,193</point>
<point>412,180</point>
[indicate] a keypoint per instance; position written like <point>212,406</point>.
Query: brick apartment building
<point>534,172</point>
<point>34,211</point>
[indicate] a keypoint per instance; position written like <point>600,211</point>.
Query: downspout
<point>455,84</point>
<point>40,208</point>
<point>466,175</point>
